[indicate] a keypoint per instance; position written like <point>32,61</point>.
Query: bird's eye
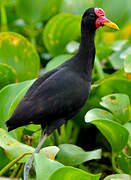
<point>92,15</point>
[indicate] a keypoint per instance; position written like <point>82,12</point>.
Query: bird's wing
<point>39,81</point>
<point>62,93</point>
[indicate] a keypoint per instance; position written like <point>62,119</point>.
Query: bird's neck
<point>86,53</point>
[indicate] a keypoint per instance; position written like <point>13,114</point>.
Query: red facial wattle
<point>102,20</point>
<point>99,12</point>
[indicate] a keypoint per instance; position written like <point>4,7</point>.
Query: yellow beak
<point>112,25</point>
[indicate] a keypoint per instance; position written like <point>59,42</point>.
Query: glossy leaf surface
<point>72,155</point>
<point>44,166</point>
<point>55,39</point>
<point>118,140</point>
<point>17,51</point>
<point>72,173</point>
<point>7,75</point>
<point>119,105</point>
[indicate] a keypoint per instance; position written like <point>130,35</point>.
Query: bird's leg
<point>28,164</point>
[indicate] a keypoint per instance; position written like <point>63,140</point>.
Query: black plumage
<point>59,95</point>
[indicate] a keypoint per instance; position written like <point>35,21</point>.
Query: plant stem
<point>20,172</point>
<point>114,165</point>
<point>13,162</point>
<point>63,133</point>
<point>4,26</point>
<point>56,137</point>
<point>69,127</point>
<point>15,171</point>
<point>99,69</point>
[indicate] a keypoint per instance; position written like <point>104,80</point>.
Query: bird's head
<point>95,18</point>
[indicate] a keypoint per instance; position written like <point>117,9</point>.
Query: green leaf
<point>44,166</point>
<point>117,82</point>
<point>8,2</point>
<point>119,105</point>
<point>31,12</point>
<point>52,7</point>
<point>102,51</point>
<point>73,155</point>
<point>127,64</point>
<point>55,39</point>
<point>128,127</point>
<point>96,113</point>
<point>8,95</point>
<point>3,158</point>
<point>76,6</point>
<point>72,47</point>
<point>124,162</point>
<point>14,148</point>
<point>116,61</point>
<point>118,177</point>
<point>39,10</point>
<point>116,134</point>
<point>72,173</point>
<point>50,151</point>
<point>57,61</point>
<point>125,53</point>
<point>7,75</point>
<point>17,51</point>
<point>108,86</point>
<point>18,99</point>
<point>118,45</point>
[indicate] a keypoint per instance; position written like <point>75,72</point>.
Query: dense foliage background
<point>36,36</point>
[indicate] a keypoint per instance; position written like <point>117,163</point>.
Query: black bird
<point>58,95</point>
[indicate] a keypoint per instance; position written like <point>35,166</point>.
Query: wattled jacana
<point>58,95</point>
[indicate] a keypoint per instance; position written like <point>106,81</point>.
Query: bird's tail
<point>13,124</point>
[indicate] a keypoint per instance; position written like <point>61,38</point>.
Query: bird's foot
<point>27,167</point>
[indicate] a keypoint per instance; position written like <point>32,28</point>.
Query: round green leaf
<point>72,155</point>
<point>72,173</point>
<point>38,10</point>
<point>76,6</point>
<point>55,39</point>
<point>119,105</point>
<point>118,177</point>
<point>7,75</point>
<point>127,64</point>
<point>17,51</point>
<point>31,11</point>
<point>44,166</point>
<point>8,94</point>
<point>57,61</point>
<point>116,134</point>
<point>52,7</point>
